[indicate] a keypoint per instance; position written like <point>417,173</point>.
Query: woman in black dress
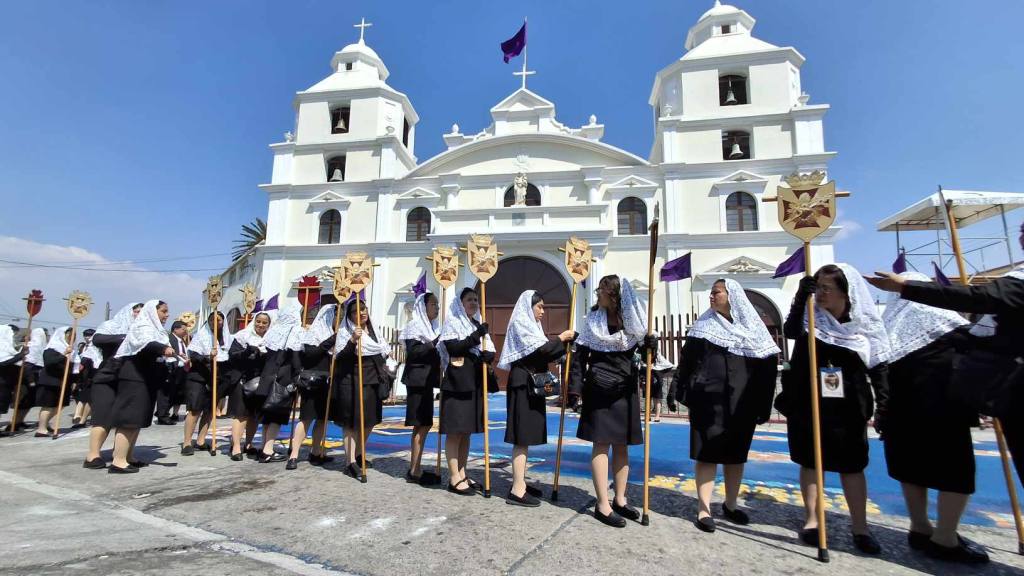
<point>604,374</point>
<point>421,377</point>
<point>248,356</point>
<point>928,440</point>
<point>138,380</point>
<point>203,351</point>
<point>10,356</point>
<point>463,351</point>
<point>727,380</point>
<point>527,352</point>
<point>283,342</point>
<point>357,338</point>
<point>83,387</point>
<point>1001,334</point>
<point>33,366</point>
<point>55,357</point>
<point>105,342</point>
<point>314,363</point>
<point>852,350</point>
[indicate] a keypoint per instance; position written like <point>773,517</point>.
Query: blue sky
<point>139,130</point>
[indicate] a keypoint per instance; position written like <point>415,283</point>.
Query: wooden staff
<point>1004,455</point>
<point>359,390</point>
<point>577,262</point>
<point>33,304</point>
<point>645,519</point>
<point>357,269</point>
<point>341,292</point>
<point>78,306</point>
<point>214,291</point>
<point>483,261</point>
<point>444,263</point>
<point>806,208</point>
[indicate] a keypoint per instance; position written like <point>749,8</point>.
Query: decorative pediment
<point>329,199</point>
<point>639,285</point>
<point>741,180</point>
<point>523,100</point>
<point>633,182</point>
<point>742,265</point>
<point>418,195</point>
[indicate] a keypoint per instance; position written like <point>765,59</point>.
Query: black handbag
<point>280,397</point>
<point>492,380</point>
<point>250,386</point>
<point>984,379</point>
<point>608,381</point>
<point>312,380</point>
<point>543,384</point>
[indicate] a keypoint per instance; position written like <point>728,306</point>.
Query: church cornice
<point>722,168</point>
<point>732,119</point>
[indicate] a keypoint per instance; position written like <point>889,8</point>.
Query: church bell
<point>336,176</point>
<point>736,152</point>
<point>730,97</point>
<point>341,126</point>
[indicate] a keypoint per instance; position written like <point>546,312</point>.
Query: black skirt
<point>314,405</point>
<point>345,412</point>
<point>610,419</point>
<point>928,434</point>
<point>527,418</point>
<point>714,443</point>
<point>134,405</point>
<point>242,406</point>
<point>101,399</point>
<point>48,396</point>
<point>462,412</point>
<point>419,406</point>
<point>844,447</point>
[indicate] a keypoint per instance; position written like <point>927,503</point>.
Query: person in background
<point>83,386</point>
<point>422,377</point>
<point>58,352</point>
<point>10,356</point>
<point>169,396</point>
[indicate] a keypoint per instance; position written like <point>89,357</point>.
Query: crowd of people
<point>897,370</point>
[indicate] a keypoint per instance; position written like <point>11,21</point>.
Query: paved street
<point>205,514</point>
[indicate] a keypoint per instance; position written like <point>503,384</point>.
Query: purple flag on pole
<point>940,277</point>
<point>792,265</point>
<point>900,265</point>
<point>676,269</point>
<point>271,304</point>
<point>420,286</point>
<point>514,45</point>
<point>258,307</point>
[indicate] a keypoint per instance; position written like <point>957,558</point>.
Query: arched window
<point>740,212</point>
<point>336,169</point>
<point>735,145</point>
<point>632,216</point>
<point>532,196</point>
<point>330,227</point>
<point>417,224</point>
<point>732,89</point>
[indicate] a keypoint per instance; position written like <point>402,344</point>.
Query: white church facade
<point>730,122</point>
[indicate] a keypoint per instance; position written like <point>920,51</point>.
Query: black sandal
<point>467,491</point>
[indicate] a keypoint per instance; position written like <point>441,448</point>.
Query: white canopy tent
<point>967,207</point>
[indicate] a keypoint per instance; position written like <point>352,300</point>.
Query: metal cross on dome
<point>363,25</point>
<point>524,73</point>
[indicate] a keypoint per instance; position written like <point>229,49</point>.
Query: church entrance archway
<point>770,316</point>
<point>519,273</point>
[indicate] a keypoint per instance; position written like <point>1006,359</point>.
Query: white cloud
<point>849,228</point>
<point>180,291</point>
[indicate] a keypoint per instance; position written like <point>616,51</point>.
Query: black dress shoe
<point>627,511</point>
<point>964,552</point>
<point>429,479</point>
<point>41,435</point>
<point>918,540</point>
<point>238,457</point>
<point>736,516</point>
<point>354,471</point>
<point>187,450</point>
<point>809,536</point>
<point>534,491</point>
<point>475,485</point>
<point>359,461</point>
<point>251,450</point>
<point>410,479</point>
<point>613,519</point>
<point>525,500</point>
<point>203,447</point>
<point>118,470</point>
<point>292,464</point>
<point>275,457</point>
<point>319,460</point>
<point>705,524</point>
<point>165,422</point>
<point>867,544</point>
<point>94,464</point>
<point>467,491</point>
<point>138,463</point>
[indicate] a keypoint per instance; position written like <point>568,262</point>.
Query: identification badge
<point>458,361</point>
<point>831,382</point>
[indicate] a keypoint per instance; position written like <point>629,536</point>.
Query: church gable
<point>418,194</point>
<point>742,265</point>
